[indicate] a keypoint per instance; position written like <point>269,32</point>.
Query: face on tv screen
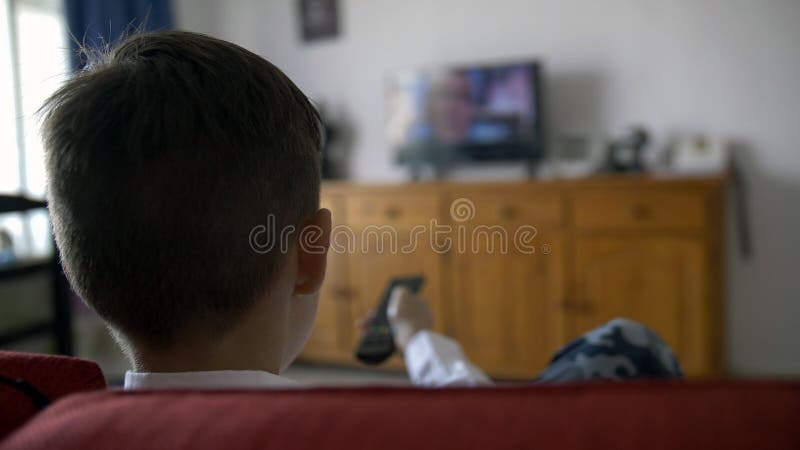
<point>481,108</point>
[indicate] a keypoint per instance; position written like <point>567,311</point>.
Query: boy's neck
<point>201,360</point>
<point>257,343</point>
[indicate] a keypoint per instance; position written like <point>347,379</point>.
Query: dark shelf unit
<point>24,268</point>
<point>60,324</point>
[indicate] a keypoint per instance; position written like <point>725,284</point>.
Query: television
<point>470,113</point>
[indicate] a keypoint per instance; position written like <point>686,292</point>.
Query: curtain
<point>96,23</point>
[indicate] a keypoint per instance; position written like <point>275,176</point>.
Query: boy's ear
<point>312,252</point>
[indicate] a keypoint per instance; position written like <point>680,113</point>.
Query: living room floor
<point>312,374</point>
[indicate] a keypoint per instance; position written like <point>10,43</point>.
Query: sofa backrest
<point>51,376</point>
<point>607,416</point>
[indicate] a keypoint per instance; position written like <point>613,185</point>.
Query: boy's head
<point>162,156</point>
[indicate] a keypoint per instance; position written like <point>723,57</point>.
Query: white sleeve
<point>433,360</point>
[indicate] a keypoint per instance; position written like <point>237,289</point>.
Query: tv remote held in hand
<point>377,345</point>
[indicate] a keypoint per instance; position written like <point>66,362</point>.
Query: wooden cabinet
<point>387,246</point>
<point>505,309</point>
<point>660,281</point>
<point>377,263</point>
<point>647,249</point>
<point>505,292</point>
<point>378,243</point>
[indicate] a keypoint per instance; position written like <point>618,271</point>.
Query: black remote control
<point>377,345</point>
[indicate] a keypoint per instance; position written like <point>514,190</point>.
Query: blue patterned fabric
<point>617,350</point>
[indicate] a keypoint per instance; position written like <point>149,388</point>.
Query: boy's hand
<point>408,314</point>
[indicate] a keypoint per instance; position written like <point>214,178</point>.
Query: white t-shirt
<point>432,360</point>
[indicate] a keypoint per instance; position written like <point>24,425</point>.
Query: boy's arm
<point>432,360</point>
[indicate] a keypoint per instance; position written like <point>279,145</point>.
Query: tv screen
<point>465,113</point>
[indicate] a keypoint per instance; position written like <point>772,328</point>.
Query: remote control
<point>377,345</point>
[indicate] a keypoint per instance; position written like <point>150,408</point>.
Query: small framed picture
<point>319,19</point>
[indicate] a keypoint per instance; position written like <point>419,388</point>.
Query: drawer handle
<point>641,212</point>
<point>507,212</point>
<point>342,293</point>
<point>570,305</point>
<point>393,212</point>
<point>577,306</point>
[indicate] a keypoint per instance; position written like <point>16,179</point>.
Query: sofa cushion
<point>51,375</point>
<point>658,415</point>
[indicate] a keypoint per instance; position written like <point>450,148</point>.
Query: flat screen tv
<point>472,113</point>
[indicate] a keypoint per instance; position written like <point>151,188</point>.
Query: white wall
<point>725,67</point>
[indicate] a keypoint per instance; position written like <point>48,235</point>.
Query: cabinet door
<point>661,282</point>
<point>331,337</point>
<point>507,312</point>
<point>381,256</point>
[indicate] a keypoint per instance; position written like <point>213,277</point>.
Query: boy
<point>163,157</point>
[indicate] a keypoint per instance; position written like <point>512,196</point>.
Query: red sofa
<point>657,415</point>
<point>49,375</point>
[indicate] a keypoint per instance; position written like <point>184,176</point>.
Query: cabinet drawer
<point>392,209</point>
<point>644,210</point>
<point>508,208</point>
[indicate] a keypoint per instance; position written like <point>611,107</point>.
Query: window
<point>34,61</point>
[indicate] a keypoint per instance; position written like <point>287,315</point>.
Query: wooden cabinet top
<point>595,182</point>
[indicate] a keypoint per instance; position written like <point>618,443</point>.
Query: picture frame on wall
<point>319,19</point>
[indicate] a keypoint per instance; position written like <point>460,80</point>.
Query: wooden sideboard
<point>577,254</point>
